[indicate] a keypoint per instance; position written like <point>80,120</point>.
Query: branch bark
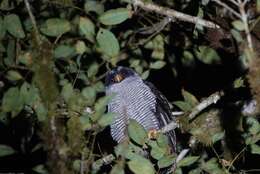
<point>173,14</point>
<point>205,103</point>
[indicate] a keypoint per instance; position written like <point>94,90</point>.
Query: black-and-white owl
<point>139,100</point>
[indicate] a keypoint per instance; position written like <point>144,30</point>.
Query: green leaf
<point>255,149</point>
<point>254,125</point>
<point>5,5</point>
<point>239,82</point>
<point>90,95</point>
<point>207,55</point>
<point>140,165</point>
<point>11,51</point>
<point>2,48</point>
<point>64,51</point>
<point>162,140</point>
<point>158,47</point>
<point>212,166</point>
<point>12,101</point>
<point>145,74</point>
<point>40,169</point>
<point>166,161</point>
<point>93,69</point>
<point>87,28</point>
<point>157,65</point>
<point>115,16</point>
<point>195,171</point>
<point>124,150</point>
<point>55,27</point>
<point>236,34</point>
<point>218,136</point>
<point>258,6</point>
<point>117,169</point>
<point>85,122</point>
<point>2,28</point>
<point>136,132</point>
<point>80,47</point>
<point>239,25</point>
<point>41,112</point>
<point>67,91</point>
<point>94,6</point>
<point>188,59</point>
<point>189,98</point>
<point>106,119</point>
<point>188,161</point>
<point>14,26</point>
<point>29,94</point>
<point>107,42</point>
<point>100,105</point>
<point>13,75</point>
<point>6,150</point>
<point>25,58</point>
<point>157,152</point>
<point>99,87</point>
<point>184,106</point>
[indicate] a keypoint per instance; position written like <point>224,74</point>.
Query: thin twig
<point>245,21</point>
<point>156,28</point>
<point>236,157</point>
<point>32,18</point>
<point>177,113</point>
<point>205,103</point>
<point>173,14</point>
<point>242,16</point>
<point>169,127</point>
<point>181,155</point>
<point>103,161</point>
<point>228,8</point>
<point>234,2</point>
<point>110,158</point>
<point>82,164</point>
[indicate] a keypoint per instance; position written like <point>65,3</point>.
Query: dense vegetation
<point>54,55</point>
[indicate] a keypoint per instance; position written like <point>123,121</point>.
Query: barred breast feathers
<point>133,100</point>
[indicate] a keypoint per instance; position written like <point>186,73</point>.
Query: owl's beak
<point>118,78</point>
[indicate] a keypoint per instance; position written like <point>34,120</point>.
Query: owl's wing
<point>163,113</point>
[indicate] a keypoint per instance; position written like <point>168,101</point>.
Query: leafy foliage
<point>54,55</point>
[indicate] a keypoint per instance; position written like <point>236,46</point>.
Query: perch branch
<point>205,103</point>
<point>241,15</point>
<point>32,18</point>
<point>173,14</point>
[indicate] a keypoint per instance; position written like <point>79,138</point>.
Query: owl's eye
<point>118,78</point>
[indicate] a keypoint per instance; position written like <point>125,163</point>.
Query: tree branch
<point>245,21</point>
<point>103,161</point>
<point>228,8</point>
<point>173,14</point>
<point>205,103</point>
<point>182,154</point>
<point>241,15</point>
<point>32,18</point>
<point>169,127</point>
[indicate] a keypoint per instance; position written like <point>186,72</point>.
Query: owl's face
<point>119,74</point>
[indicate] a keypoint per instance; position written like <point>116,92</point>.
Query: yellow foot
<point>152,134</point>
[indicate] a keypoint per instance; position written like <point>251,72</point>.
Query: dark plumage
<point>136,99</point>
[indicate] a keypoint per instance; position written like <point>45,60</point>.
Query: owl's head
<point>119,74</point>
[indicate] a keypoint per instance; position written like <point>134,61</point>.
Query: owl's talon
<point>152,134</point>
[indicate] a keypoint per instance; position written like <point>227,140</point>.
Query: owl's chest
<point>136,103</point>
